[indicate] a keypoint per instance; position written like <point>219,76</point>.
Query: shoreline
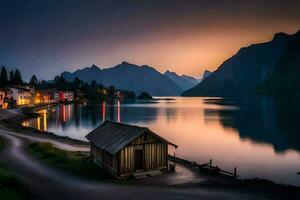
<point>14,124</point>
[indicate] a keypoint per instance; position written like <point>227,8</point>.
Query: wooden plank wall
<point>105,157</point>
<point>155,154</point>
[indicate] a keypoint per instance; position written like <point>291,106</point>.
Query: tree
<point>77,83</point>
<point>33,80</point>
<point>56,79</point>
<point>3,77</point>
<point>61,83</point>
<point>93,84</point>
<point>11,77</point>
<point>18,78</point>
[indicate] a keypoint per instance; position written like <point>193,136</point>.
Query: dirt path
<point>57,144</point>
<point>48,183</point>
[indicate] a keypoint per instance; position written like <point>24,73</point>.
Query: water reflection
<point>258,136</point>
<point>266,120</point>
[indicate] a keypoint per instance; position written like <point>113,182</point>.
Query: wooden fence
<point>207,168</point>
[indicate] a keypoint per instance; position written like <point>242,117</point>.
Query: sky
<point>186,36</point>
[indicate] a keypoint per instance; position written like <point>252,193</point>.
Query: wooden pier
<point>206,168</point>
<point>35,108</point>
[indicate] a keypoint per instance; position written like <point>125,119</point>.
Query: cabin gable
<point>145,138</point>
<point>154,154</point>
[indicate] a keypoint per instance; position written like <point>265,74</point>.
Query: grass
<point>11,188</point>
<point>73,162</point>
<point>2,143</point>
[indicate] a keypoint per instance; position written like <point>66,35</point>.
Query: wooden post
<point>210,165</point>
<point>174,161</point>
<point>234,175</point>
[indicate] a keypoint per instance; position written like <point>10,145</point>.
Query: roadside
<point>49,183</point>
<point>10,186</point>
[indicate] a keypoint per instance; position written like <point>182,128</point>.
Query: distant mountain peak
<point>184,82</point>
<point>171,73</point>
<point>94,67</point>
<point>206,73</point>
<point>126,63</point>
<point>280,35</point>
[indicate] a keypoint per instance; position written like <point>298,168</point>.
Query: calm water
<point>260,137</point>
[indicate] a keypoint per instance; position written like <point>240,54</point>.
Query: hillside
<point>128,76</point>
<point>241,74</point>
<point>285,78</point>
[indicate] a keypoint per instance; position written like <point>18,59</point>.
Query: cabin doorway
<point>138,160</point>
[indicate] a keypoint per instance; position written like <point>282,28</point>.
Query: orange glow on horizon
<point>190,52</point>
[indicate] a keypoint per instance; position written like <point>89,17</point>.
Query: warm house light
<point>38,123</point>
<point>5,105</point>
<point>25,123</point>
<point>23,101</point>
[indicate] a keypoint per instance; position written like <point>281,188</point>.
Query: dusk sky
<point>185,36</point>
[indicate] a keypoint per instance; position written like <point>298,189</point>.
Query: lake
<point>258,136</point>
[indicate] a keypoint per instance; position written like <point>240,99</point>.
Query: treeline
<point>83,91</point>
<point>11,78</point>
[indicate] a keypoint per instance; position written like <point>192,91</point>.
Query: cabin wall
<point>154,153</point>
<point>105,160</point>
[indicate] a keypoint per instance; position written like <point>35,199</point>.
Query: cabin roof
<point>113,136</point>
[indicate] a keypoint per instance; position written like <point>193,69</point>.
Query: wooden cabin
<point>124,150</point>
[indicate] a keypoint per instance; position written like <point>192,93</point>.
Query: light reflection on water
<point>259,137</point>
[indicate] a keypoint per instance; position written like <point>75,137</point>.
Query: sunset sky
<point>186,36</point>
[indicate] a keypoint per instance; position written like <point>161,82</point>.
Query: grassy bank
<point>11,188</point>
<point>73,162</point>
<point>2,143</point>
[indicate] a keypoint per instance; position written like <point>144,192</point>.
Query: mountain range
<point>126,76</point>
<point>267,68</point>
<point>184,82</point>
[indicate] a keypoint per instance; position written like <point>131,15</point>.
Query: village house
<point>66,96</point>
<point>46,96</point>
<point>22,95</point>
<point>6,100</point>
<point>42,96</point>
<point>55,96</point>
<point>125,150</point>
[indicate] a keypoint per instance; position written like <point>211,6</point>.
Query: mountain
<point>126,76</point>
<point>285,78</point>
<point>190,79</point>
<point>184,82</point>
<point>206,74</point>
<point>242,74</point>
